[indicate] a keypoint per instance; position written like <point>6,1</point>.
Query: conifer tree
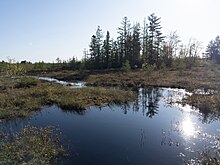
<point>155,39</point>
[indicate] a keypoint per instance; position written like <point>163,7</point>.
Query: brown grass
<point>22,102</point>
<point>196,78</point>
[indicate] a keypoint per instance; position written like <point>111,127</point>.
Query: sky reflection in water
<point>150,131</point>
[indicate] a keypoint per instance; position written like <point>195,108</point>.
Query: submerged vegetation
<point>31,145</point>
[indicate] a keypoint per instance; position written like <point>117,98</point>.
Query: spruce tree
<point>107,51</point>
<point>155,39</point>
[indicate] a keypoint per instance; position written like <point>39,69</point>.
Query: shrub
<point>126,66</point>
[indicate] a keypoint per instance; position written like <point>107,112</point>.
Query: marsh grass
<point>22,101</point>
<point>26,82</point>
<point>195,78</point>
<point>31,145</point>
<point>207,104</point>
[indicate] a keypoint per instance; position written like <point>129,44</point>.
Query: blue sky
<point>37,30</point>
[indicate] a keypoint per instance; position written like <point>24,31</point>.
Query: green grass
<point>31,145</point>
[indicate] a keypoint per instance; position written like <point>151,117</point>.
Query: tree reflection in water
<point>148,100</point>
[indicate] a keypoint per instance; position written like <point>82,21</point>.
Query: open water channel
<point>151,130</point>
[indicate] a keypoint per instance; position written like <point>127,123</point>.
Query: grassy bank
<point>30,146</point>
<point>208,105</point>
<point>206,76</point>
<point>20,97</point>
<point>196,78</point>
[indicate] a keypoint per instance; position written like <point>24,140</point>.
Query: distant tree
<point>213,49</point>
<point>173,40</point>
<point>107,51</point>
<point>93,52</point>
<point>85,60</point>
<point>170,47</point>
<point>115,63</point>
<point>191,52</point>
<point>124,33</point>
<point>99,36</point>
<point>155,39</point>
<point>24,62</point>
<point>58,60</point>
<point>95,49</point>
<point>145,42</point>
<point>136,46</point>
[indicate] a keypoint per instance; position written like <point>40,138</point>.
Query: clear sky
<point>37,30</point>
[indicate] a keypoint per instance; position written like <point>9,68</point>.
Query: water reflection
<point>148,100</point>
<point>188,127</point>
<point>79,84</point>
<point>149,130</point>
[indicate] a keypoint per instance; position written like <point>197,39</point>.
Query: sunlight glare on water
<point>188,127</point>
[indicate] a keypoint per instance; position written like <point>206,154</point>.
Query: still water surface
<point>150,131</point>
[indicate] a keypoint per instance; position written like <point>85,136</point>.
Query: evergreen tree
<point>124,32</point>
<point>93,53</point>
<point>95,50</point>
<point>213,49</point>
<point>99,36</point>
<point>115,62</point>
<point>155,39</point>
<point>145,43</point>
<point>136,46</point>
<point>107,51</point>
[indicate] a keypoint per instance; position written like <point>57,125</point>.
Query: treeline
<point>136,47</point>
<point>139,47</point>
<point>11,67</point>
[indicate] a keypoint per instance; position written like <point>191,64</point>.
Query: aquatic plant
<point>31,145</point>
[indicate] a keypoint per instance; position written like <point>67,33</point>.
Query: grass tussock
<point>31,145</point>
<point>26,82</point>
<point>21,102</point>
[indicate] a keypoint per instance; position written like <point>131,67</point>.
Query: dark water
<point>150,131</point>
